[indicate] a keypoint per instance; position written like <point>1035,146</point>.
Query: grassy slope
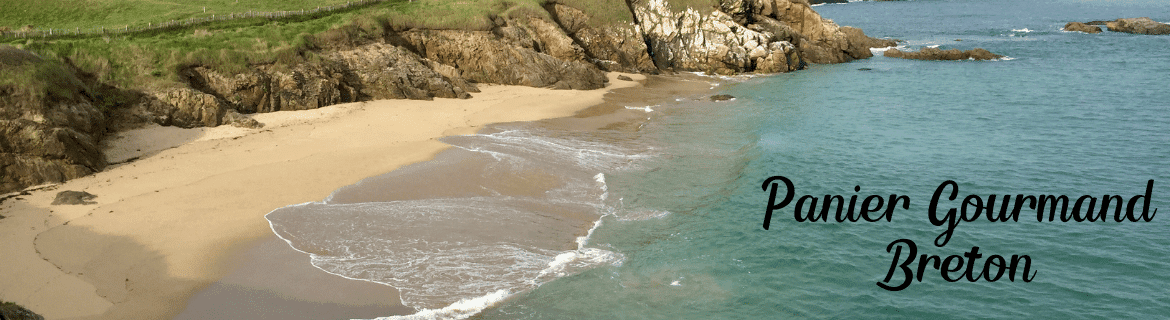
<point>151,60</point>
<point>68,14</point>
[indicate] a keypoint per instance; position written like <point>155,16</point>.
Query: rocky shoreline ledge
<point>55,134</point>
<point>939,54</point>
<point>1141,25</point>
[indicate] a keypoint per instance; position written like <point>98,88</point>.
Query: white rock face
<point>713,43</point>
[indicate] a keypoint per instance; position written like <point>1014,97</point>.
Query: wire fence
<point>104,31</point>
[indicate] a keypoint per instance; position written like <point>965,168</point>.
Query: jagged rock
<point>1081,27</point>
<point>268,88</point>
<point>1138,26</point>
<point>73,198</point>
<point>713,43</point>
<point>483,57</point>
<point>554,42</point>
<point>389,72</point>
<point>721,97</point>
<point>49,127</point>
<point>611,48</point>
<point>11,311</point>
<point>819,40</point>
<point>938,54</point>
<point>182,107</point>
<point>307,86</point>
<point>452,75</point>
<point>236,119</point>
<point>624,78</point>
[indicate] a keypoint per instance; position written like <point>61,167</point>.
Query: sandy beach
<point>181,206</point>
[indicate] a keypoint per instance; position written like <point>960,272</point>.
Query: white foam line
<point>600,178</point>
<point>313,256</point>
<point>463,309</point>
<point>647,109</point>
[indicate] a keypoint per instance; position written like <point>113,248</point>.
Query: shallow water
<point>1066,114</point>
<point>674,202</point>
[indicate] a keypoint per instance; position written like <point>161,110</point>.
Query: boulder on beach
<point>73,198</point>
<point>939,54</point>
<point>1081,27</point>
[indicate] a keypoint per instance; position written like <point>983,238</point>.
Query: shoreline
<point>318,294</point>
<point>167,224</point>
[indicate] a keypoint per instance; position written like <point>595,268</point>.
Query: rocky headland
<point>53,124</point>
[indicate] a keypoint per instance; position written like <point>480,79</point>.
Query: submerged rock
<point>721,97</point>
<point>1081,27</point>
<point>938,54</point>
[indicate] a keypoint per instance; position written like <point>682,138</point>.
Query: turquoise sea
<point>676,206</point>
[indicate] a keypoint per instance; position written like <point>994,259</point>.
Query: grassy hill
<point>68,14</point>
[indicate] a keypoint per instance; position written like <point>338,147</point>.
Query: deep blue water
<point>1066,114</point>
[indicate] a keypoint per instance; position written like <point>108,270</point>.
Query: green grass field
<point>113,14</point>
<point>68,14</point>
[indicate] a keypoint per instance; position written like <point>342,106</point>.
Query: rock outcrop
<point>1138,26</point>
<point>49,125</point>
<point>1081,27</point>
<point>713,43</point>
<point>612,48</point>
<point>938,54</point>
<point>389,72</point>
<point>11,311</point>
<point>481,56</point>
<point>819,40</point>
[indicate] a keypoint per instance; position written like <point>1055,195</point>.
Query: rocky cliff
<point>49,124</point>
<point>51,133</point>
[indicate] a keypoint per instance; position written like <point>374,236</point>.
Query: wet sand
<point>304,292</point>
